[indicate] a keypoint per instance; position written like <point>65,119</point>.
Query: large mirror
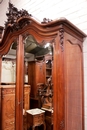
<point>8,85</point>
<point>38,80</point>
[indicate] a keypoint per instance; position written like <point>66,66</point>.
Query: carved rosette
<point>14,16</point>
<point>61,34</point>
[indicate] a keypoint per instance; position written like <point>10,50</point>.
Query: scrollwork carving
<point>45,20</point>
<point>1,30</point>
<point>13,17</point>
<point>61,34</point>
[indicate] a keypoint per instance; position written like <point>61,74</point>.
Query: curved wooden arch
<point>37,31</point>
<point>40,31</point>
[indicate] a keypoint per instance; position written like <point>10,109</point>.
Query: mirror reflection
<point>38,78</point>
<point>8,81</point>
<point>40,64</point>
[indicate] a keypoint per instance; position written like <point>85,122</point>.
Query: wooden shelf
<point>48,68</point>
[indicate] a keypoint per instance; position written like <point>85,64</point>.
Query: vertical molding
<point>61,34</point>
<point>58,89</point>
<point>0,67</point>
<point>0,92</point>
<point>19,85</point>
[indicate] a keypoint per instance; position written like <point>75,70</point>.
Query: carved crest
<point>14,15</point>
<point>45,20</point>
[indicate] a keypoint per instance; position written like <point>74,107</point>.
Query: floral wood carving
<point>61,34</point>
<point>1,30</point>
<point>62,125</point>
<point>45,20</point>
<point>13,17</point>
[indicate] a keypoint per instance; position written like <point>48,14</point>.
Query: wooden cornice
<point>21,22</point>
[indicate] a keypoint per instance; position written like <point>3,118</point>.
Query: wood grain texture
<point>8,106</point>
<point>62,78</point>
<point>19,85</point>
<point>74,86</point>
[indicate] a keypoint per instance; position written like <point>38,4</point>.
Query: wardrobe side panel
<point>73,86</point>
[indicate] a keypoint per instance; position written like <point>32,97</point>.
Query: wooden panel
<point>73,87</point>
<point>58,86</point>
<point>35,76</point>
<point>31,77</point>
<point>27,97</point>
<point>8,106</point>
<point>0,89</point>
<point>40,72</point>
<point>19,84</point>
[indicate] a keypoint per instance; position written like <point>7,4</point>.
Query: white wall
<point>74,10</point>
<point>8,72</point>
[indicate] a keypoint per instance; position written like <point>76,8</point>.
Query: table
<point>35,117</point>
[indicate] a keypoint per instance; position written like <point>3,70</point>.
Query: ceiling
<point>31,47</point>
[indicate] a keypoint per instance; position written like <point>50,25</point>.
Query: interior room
<point>41,73</point>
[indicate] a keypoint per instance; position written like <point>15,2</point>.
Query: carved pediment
<point>14,16</point>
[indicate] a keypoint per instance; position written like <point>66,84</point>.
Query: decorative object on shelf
<point>46,94</point>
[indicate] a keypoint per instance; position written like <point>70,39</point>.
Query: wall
<point>8,72</point>
<point>74,10</point>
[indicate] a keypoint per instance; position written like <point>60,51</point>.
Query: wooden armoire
<point>68,85</point>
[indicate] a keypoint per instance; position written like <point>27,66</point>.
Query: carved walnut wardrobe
<point>67,42</point>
